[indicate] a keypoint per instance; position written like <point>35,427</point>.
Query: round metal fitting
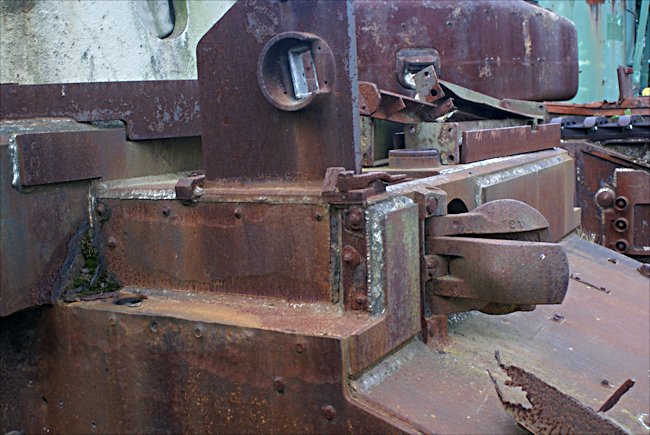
<point>620,203</point>
<point>621,245</point>
<point>605,197</point>
<point>295,69</point>
<point>620,225</point>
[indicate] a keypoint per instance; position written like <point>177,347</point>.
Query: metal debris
<point>552,411</point>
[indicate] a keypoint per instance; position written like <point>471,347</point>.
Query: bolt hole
<point>325,82</point>
<point>456,206</point>
<point>198,333</point>
<point>153,327</point>
<point>451,158</point>
<point>621,203</point>
<point>434,93</point>
<point>426,73</point>
<point>44,400</point>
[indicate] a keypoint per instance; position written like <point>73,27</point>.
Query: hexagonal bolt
<point>355,219</point>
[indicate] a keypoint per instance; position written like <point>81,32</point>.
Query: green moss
<point>81,285</point>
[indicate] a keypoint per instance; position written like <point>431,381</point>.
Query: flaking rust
<point>551,411</point>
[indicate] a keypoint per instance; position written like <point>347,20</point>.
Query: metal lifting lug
<point>493,259</point>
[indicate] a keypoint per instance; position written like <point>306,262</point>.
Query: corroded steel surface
<point>40,232</point>
<point>544,180</point>
<point>531,53</point>
<point>283,144</point>
<point>587,347</point>
<point>41,226</point>
<point>245,247</point>
<point>181,365</point>
<point>55,157</point>
<point>597,190</point>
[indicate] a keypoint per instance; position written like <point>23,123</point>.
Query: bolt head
<point>166,211</point>
<point>355,219</point>
<point>328,412</point>
<point>100,208</point>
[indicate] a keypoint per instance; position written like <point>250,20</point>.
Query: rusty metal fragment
<point>616,395</point>
<point>550,410</point>
<point>400,108</point>
<point>633,106</point>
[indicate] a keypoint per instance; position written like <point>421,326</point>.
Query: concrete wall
<point>59,41</point>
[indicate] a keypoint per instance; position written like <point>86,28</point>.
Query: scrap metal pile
<point>331,230</point>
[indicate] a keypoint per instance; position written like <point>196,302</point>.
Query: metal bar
<point>486,144</point>
<point>55,157</point>
<point>150,109</point>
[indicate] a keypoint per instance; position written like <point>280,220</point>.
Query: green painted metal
<point>601,44</point>
<point>641,37</point>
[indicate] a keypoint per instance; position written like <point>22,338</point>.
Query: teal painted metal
<point>601,44</point>
<point>641,36</point>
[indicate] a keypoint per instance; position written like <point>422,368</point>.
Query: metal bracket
<point>189,189</point>
<point>494,262</point>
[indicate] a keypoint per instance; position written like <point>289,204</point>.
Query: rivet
<point>300,348</point>
<point>238,213</point>
<point>100,208</point>
<point>328,412</point>
<point>278,384</point>
<point>111,243</point>
<point>166,211</point>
